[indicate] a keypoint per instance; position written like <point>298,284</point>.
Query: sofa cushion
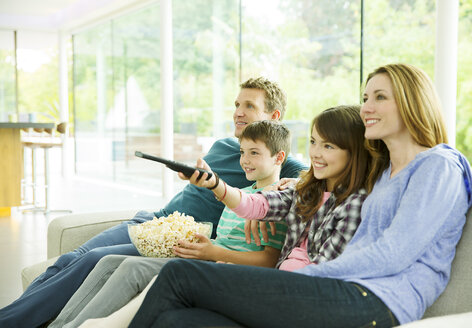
<point>457,296</point>
<point>67,232</point>
<point>463,320</point>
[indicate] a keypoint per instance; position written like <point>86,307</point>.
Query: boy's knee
<point>132,261</point>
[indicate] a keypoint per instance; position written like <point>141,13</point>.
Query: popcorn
<point>157,237</point>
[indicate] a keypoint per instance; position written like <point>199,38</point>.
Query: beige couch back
<point>457,297</point>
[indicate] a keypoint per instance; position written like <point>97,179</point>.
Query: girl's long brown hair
<point>342,126</point>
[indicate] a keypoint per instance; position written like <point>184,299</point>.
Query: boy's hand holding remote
<point>230,196</point>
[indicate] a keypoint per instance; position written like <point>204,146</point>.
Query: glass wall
<point>7,75</point>
<point>312,48</point>
<point>206,69</point>
<point>38,76</point>
<point>117,88</point>
<point>399,31</point>
<point>464,81</point>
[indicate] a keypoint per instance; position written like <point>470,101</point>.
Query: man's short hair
<point>273,134</point>
<point>275,97</point>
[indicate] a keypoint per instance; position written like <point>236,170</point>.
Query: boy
<point>264,146</point>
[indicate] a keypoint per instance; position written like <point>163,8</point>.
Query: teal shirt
<point>230,231</point>
<point>223,158</point>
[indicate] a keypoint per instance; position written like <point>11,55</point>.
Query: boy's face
<point>250,107</point>
<point>258,163</point>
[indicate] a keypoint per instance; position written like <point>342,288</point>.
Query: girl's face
<point>328,160</point>
<point>380,112</point>
<point>258,163</point>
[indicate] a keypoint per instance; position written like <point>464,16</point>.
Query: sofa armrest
<point>457,296</point>
<point>66,233</point>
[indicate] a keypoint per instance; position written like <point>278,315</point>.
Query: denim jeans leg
<point>260,297</point>
<point>129,279</point>
<point>88,289</point>
<point>46,300</point>
<point>199,318</point>
<point>116,235</point>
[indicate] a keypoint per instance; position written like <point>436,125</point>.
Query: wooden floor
<point>23,235</point>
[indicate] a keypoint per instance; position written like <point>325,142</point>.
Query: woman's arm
<point>431,209</point>
<point>205,250</point>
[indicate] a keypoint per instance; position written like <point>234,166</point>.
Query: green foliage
<point>464,81</point>
<point>310,47</point>
<point>38,90</point>
<point>7,82</point>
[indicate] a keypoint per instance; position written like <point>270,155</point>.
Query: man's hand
<point>253,226</point>
<point>203,250</point>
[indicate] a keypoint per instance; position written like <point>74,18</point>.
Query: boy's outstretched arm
<point>205,250</point>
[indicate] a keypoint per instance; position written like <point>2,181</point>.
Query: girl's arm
<point>205,250</point>
<point>230,196</point>
<point>347,217</point>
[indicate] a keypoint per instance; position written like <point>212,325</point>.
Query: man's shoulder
<point>292,167</point>
<point>230,142</point>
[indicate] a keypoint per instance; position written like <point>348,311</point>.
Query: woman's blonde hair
<point>420,110</point>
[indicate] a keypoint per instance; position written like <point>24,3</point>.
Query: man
<point>258,99</point>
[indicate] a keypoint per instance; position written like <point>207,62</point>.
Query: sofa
<point>454,306</point>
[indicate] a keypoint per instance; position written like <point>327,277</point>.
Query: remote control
<point>175,166</point>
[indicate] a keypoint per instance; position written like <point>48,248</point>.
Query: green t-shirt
<point>230,231</point>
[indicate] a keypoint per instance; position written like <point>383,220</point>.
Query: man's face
<point>249,107</point>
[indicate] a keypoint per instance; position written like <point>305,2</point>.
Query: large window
<point>464,81</point>
<point>7,75</point>
<point>117,97</point>
<point>117,88</point>
<point>399,31</point>
<point>31,88</point>
<point>38,75</point>
<point>312,48</point>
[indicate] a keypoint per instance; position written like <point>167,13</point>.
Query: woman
<point>395,266</point>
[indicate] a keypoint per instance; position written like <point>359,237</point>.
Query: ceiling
<point>57,14</point>
<point>34,7</point>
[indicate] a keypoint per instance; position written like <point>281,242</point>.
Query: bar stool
<point>45,140</point>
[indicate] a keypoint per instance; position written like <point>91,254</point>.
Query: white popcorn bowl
<point>160,244</point>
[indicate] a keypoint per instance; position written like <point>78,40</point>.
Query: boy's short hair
<point>273,134</point>
<point>275,97</point>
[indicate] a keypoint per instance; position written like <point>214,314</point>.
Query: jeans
<point>114,281</point>
<point>47,294</point>
<point>190,293</point>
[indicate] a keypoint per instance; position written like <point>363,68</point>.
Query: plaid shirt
<point>331,228</point>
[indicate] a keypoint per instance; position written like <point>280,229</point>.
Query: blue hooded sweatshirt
<point>411,224</point>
